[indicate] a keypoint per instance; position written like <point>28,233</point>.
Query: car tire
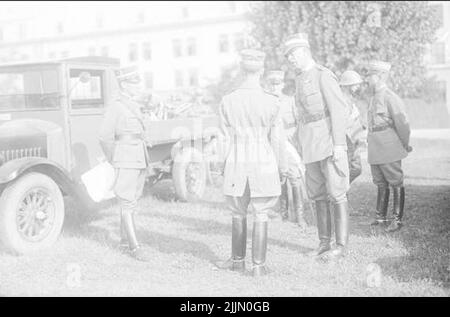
<point>186,159</point>
<point>34,200</point>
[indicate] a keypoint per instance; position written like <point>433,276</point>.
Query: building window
<point>224,45</point>
<point>51,55</point>
<point>91,51</point>
<point>232,6</point>
<point>133,52</point>
<point>438,53</point>
<point>148,80</point>
<point>99,21</point>
<point>192,47</point>
<point>238,41</point>
<point>177,48</point>
<point>193,77</point>
<point>438,13</point>
<point>64,54</point>
<point>22,31</point>
<point>60,28</point>
<point>105,51</point>
<point>147,51</point>
<point>185,12</point>
<point>178,78</point>
<point>141,17</point>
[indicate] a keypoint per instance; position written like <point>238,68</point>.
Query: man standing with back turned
<point>322,139</point>
<point>253,145</point>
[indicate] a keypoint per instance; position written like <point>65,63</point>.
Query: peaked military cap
<point>375,66</point>
<point>129,73</point>
<point>350,77</point>
<point>252,60</point>
<point>294,41</point>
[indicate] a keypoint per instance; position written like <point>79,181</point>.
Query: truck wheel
<point>31,213</point>
<point>189,174</point>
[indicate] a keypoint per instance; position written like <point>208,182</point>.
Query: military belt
<point>129,137</point>
<point>379,128</point>
<point>290,125</point>
<point>313,117</point>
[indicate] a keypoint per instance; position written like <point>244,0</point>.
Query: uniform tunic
<point>388,137</point>
<point>253,134</point>
<point>323,125</point>
<point>122,132</point>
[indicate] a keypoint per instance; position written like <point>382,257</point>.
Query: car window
<point>86,95</point>
<point>32,89</point>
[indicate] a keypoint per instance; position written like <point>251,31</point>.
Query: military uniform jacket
<point>389,130</point>
<point>288,115</point>
<point>355,130</point>
<point>322,113</point>
<point>122,132</point>
<point>253,136</point>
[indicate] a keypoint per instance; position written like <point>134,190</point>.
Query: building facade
<point>178,45</point>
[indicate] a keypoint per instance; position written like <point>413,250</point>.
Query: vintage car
<point>50,114</point>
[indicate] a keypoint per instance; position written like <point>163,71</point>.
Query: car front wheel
<point>31,213</point>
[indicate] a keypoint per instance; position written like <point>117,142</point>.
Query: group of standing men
<point>260,128</point>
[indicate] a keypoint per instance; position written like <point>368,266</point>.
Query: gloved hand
<point>409,149</point>
<point>283,177</point>
<point>339,157</point>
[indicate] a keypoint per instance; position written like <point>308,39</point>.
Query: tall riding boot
<point>123,244</point>
<point>259,248</point>
<point>382,206</point>
<point>297,198</point>
<point>323,226</point>
<point>238,246</point>
<point>341,230</point>
<point>284,201</point>
<point>136,251</point>
<point>399,206</point>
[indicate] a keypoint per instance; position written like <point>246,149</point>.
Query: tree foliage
<point>341,36</point>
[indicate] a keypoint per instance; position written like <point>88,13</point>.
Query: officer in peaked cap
<point>122,138</point>
<point>322,139</point>
<point>350,83</point>
<point>388,143</point>
<point>275,84</point>
<point>253,152</point>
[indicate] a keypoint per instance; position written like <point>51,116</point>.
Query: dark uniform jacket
<point>389,131</point>
<point>322,113</point>
<point>122,134</point>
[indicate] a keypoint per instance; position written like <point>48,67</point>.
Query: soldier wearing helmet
<point>350,83</point>
<point>388,143</point>
<point>122,138</point>
<point>275,84</point>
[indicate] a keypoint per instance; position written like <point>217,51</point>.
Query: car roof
<point>96,60</point>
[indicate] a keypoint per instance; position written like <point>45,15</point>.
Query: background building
<point>178,45</point>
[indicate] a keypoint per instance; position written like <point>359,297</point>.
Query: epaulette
<point>325,69</point>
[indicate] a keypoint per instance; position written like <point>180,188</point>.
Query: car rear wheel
<point>31,213</point>
<point>189,174</point>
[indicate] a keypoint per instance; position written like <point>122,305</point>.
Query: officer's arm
<point>278,140</point>
<point>107,131</point>
<point>336,104</point>
<point>396,109</point>
<point>224,139</point>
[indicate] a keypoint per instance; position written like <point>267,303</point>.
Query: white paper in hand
<point>99,181</point>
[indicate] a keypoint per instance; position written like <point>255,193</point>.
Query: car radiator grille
<point>13,154</point>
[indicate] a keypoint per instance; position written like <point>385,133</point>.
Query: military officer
<point>322,140</point>
<point>350,83</point>
<point>252,139</point>
<point>275,85</point>
<point>122,140</point>
<point>388,143</point>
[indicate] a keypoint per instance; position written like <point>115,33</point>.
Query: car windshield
<point>29,89</point>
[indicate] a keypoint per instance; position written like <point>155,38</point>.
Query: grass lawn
<point>187,239</point>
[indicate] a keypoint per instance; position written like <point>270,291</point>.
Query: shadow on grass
<point>425,234</point>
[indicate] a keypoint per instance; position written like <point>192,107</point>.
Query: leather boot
<point>341,230</point>
<point>297,198</point>
<point>399,205</point>
<point>238,246</point>
<point>259,248</point>
<point>323,227</point>
<point>136,250</point>
<point>284,201</point>
<point>123,244</point>
<point>382,206</point>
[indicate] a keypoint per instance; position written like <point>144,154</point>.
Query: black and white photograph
<point>226,150</point>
